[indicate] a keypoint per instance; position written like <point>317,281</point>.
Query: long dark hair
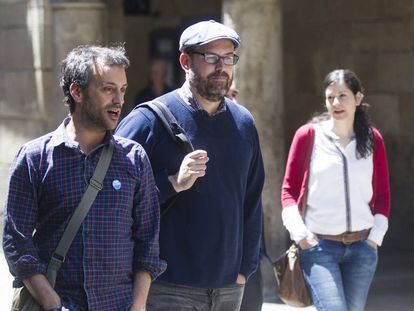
<point>362,126</point>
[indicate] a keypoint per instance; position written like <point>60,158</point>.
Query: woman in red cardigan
<point>337,168</point>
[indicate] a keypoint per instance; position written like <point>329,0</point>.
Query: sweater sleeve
<point>294,183</point>
<point>292,186</point>
<point>140,128</point>
<point>253,212</point>
<point>381,200</point>
<point>293,222</point>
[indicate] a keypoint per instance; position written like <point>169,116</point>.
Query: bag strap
<point>95,185</point>
<point>176,132</point>
<point>170,124</point>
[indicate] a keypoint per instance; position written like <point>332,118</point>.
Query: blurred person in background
<point>157,85</point>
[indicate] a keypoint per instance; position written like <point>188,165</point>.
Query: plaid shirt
<point>118,237</point>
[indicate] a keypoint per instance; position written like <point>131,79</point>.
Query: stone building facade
<point>287,48</point>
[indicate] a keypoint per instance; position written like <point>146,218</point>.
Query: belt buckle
<point>344,240</point>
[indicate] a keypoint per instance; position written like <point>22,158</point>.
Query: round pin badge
<point>116,184</point>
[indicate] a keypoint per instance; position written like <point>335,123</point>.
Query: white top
<point>327,208</point>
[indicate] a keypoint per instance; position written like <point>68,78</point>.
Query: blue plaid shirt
<point>118,237</point>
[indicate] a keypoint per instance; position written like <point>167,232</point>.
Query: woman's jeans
<point>339,275</point>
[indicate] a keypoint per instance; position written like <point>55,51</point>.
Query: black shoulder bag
<point>170,124</point>
<point>174,130</point>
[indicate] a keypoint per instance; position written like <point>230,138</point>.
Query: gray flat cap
<point>205,32</point>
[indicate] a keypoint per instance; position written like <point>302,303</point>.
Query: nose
<point>335,101</point>
<point>119,98</point>
<point>220,64</point>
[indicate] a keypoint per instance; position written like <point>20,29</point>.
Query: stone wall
<point>25,65</point>
<point>259,78</point>
<point>374,38</point>
<point>36,35</point>
<point>165,15</point>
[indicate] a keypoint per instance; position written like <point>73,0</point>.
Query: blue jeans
<point>165,296</point>
<point>339,275</point>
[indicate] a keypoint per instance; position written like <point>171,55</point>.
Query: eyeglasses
<point>213,59</point>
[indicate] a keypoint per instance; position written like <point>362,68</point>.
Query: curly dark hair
<point>362,125</point>
<point>78,65</point>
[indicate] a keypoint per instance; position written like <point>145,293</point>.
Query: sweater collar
<point>188,97</point>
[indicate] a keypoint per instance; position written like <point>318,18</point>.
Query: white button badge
<point>116,184</point>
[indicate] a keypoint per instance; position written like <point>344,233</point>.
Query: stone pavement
<point>392,289</point>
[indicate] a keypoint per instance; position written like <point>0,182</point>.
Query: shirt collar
<point>60,136</point>
<point>327,130</point>
<point>188,97</point>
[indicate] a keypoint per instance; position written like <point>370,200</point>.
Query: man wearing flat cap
<point>210,234</point>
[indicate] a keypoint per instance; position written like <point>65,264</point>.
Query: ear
<point>185,61</point>
<point>76,92</point>
<point>359,96</point>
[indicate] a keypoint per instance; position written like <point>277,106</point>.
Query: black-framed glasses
<point>213,59</point>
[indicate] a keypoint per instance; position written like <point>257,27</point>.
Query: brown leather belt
<point>347,237</point>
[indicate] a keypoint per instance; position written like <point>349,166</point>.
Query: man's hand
<point>40,288</point>
<point>192,167</point>
<point>241,279</point>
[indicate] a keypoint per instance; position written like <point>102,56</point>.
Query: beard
<point>93,116</point>
<point>210,88</point>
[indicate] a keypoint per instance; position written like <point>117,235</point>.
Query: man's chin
<point>111,127</point>
<point>215,98</point>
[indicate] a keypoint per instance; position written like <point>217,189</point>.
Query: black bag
<point>176,132</point>
<point>170,124</point>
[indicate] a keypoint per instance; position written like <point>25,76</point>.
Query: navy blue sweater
<point>212,231</point>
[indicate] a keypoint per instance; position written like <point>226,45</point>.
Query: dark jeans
<point>165,296</point>
<point>253,294</point>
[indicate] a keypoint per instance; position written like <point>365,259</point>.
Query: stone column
<point>259,79</point>
<point>25,67</point>
<point>74,23</point>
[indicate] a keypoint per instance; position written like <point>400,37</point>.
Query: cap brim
<point>234,40</point>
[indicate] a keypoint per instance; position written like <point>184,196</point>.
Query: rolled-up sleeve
<point>20,219</point>
<point>147,222</point>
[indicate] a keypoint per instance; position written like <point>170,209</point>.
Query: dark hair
<point>362,126</point>
<point>78,65</point>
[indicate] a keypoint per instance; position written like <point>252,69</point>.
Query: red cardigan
<point>297,171</point>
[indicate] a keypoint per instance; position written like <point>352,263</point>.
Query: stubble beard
<point>93,117</point>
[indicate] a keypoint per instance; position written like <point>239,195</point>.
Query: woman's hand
<point>308,242</point>
<point>372,244</point>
